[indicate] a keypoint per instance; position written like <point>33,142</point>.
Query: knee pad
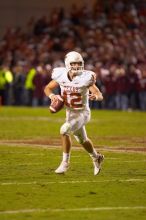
<point>65,129</point>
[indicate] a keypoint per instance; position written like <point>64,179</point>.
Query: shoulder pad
<point>57,73</point>
<point>90,77</point>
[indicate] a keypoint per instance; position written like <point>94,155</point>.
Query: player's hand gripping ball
<point>56,105</point>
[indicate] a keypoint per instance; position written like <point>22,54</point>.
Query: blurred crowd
<point>110,35</point>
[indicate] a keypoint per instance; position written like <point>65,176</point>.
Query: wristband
<point>50,96</point>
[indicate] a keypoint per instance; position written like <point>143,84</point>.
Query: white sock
<point>66,157</point>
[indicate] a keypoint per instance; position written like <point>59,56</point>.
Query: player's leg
<point>66,147</point>
<point>74,121</point>
<point>97,158</point>
<point>77,123</point>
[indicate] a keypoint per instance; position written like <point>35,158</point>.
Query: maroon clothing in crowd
<point>110,85</point>
<point>39,83</point>
<point>122,84</point>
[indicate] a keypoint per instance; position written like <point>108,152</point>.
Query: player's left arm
<point>95,93</point>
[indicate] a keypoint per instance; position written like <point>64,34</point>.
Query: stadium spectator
<point>39,82</point>
<point>141,85</point>
<point>121,89</point>
<point>111,32</point>
<point>133,78</point>
<point>29,86</point>
<point>109,82</point>
<point>18,85</point>
<point>6,80</point>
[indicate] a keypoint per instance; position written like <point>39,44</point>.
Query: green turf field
<point>30,152</point>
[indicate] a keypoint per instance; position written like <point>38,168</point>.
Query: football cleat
<point>62,168</point>
<point>97,163</point>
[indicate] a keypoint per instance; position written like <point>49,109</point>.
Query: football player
<point>77,87</point>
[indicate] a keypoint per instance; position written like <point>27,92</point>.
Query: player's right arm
<point>49,90</point>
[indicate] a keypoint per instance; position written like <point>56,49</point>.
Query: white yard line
<point>47,146</point>
<point>31,118</point>
<point>21,144</point>
<point>82,209</point>
<point>117,159</point>
<point>24,164</point>
<point>73,162</point>
<point>72,181</point>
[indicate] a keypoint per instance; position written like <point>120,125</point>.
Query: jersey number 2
<point>73,100</point>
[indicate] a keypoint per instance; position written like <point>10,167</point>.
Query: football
<point>56,106</point>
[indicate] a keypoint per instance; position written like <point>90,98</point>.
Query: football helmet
<point>72,58</point>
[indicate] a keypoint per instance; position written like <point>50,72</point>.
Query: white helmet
<point>74,57</point>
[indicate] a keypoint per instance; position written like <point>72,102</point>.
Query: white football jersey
<point>75,92</point>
